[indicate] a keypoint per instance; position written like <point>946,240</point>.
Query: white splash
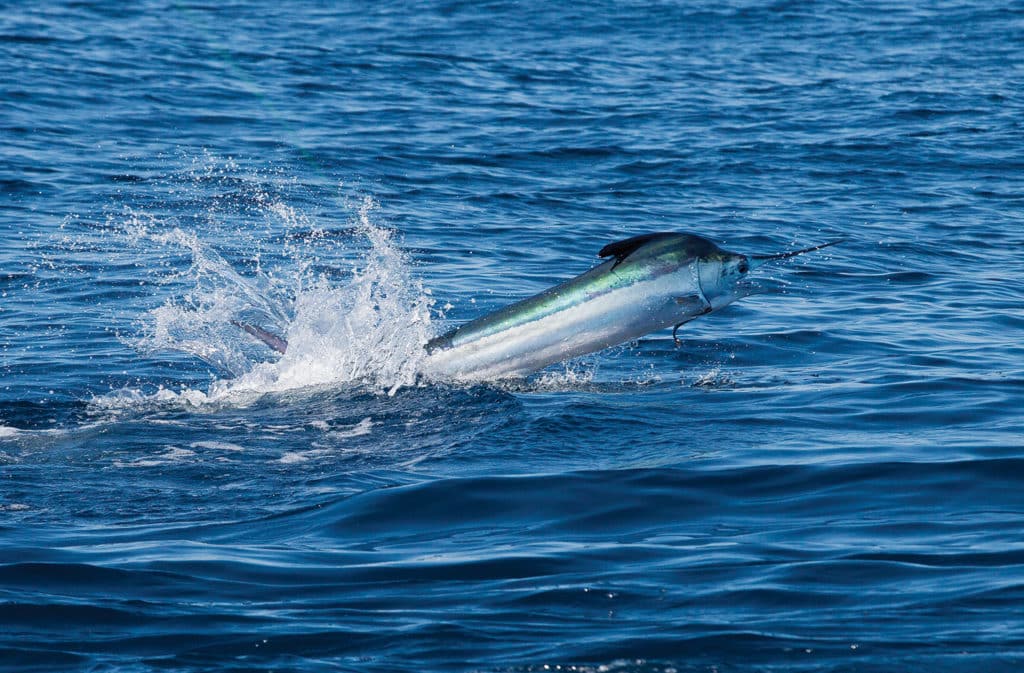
<point>172,455</point>
<point>216,446</point>
<point>573,375</point>
<point>368,329</point>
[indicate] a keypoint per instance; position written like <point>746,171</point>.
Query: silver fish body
<point>651,282</point>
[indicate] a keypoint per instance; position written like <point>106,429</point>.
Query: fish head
<point>718,273</point>
<point>722,276</point>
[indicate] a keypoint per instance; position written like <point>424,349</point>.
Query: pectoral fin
<point>694,306</point>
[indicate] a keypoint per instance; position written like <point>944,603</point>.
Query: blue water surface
<point>827,476</point>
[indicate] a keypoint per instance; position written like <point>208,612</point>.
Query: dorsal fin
<point>620,250</point>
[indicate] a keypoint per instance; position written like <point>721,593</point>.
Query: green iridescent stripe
<point>649,263</point>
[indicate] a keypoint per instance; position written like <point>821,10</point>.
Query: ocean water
<point>828,476</point>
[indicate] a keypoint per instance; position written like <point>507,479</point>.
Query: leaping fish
<point>649,282</point>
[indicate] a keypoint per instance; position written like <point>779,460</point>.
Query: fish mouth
<point>759,260</point>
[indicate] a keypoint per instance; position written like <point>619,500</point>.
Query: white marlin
<point>649,282</point>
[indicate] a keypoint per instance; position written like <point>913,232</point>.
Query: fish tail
<point>272,340</point>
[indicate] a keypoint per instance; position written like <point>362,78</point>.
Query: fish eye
<point>743,266</point>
